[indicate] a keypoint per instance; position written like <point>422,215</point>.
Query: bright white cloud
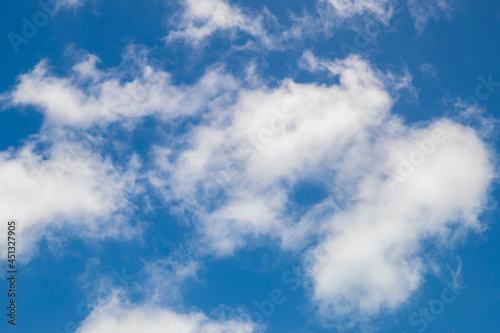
<point>63,186</point>
<point>426,183</point>
<point>273,136</point>
<point>158,302</point>
<point>243,164</point>
<point>90,95</point>
<point>240,167</point>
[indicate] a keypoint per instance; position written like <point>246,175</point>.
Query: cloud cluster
<point>382,187</point>
<point>388,187</point>
<point>380,191</point>
<point>57,181</point>
<point>243,163</point>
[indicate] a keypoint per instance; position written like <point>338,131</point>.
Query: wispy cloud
<point>423,11</point>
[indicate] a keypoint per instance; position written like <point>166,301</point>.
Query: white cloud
<point>243,164</point>
<point>377,262</point>
<point>202,18</point>
<point>158,301</point>
<point>271,136</point>
<point>116,315</point>
<point>89,95</point>
<point>64,186</point>
<point>423,10</point>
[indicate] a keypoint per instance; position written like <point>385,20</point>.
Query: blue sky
<point>251,166</point>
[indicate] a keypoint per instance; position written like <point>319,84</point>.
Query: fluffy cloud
<point>388,187</point>
<point>63,185</point>
<point>89,95</point>
<point>165,277</point>
<point>54,181</point>
<point>383,187</point>
<point>425,184</point>
<point>249,157</point>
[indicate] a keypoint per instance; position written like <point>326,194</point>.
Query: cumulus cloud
<point>426,183</point>
<point>249,157</point>
<point>48,186</point>
<point>382,187</point>
<point>55,181</point>
<point>388,186</point>
<point>89,95</point>
<point>420,11</point>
